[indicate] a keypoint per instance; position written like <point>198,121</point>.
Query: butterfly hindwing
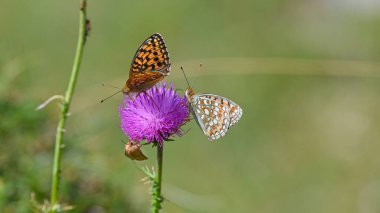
<point>215,114</point>
<point>144,80</point>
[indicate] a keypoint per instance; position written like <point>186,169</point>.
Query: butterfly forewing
<point>214,114</point>
<point>152,55</point>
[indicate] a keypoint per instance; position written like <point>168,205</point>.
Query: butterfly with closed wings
<point>150,65</point>
<point>214,114</point>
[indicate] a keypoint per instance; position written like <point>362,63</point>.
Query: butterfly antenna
<point>178,89</point>
<point>185,77</point>
<point>200,69</point>
<point>110,96</point>
<point>106,85</point>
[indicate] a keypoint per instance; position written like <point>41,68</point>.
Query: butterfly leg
<point>131,97</point>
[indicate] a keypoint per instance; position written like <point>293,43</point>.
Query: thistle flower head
<point>154,115</point>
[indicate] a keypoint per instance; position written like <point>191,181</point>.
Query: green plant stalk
<point>54,196</point>
<point>156,188</point>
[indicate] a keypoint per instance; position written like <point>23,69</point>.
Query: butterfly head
<point>189,94</point>
<point>126,89</point>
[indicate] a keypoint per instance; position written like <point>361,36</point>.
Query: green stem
<point>157,197</point>
<point>54,196</point>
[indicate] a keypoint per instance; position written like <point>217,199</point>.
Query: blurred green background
<point>306,74</point>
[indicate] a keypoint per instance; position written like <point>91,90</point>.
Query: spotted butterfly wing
<point>152,55</point>
<point>150,65</point>
<point>214,114</point>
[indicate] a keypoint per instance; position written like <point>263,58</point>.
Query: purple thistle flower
<point>154,115</point>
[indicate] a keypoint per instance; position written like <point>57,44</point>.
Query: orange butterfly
<point>150,65</point>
